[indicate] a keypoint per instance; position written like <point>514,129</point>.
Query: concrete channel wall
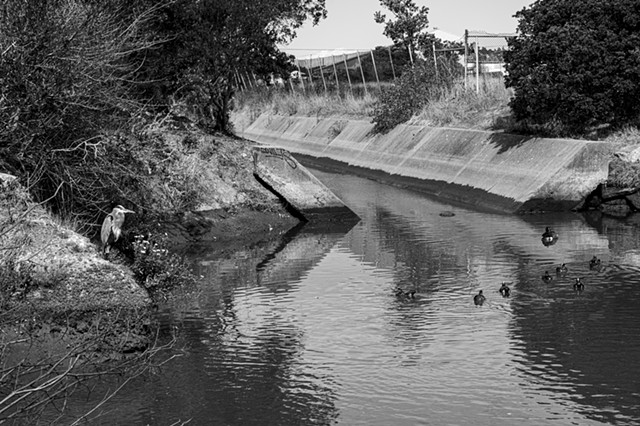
<point>503,172</point>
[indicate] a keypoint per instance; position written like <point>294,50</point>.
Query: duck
<point>479,298</point>
<point>562,269</point>
<point>578,285</point>
<point>411,294</point>
<point>595,263</point>
<point>504,290</point>
<point>549,235</point>
<point>547,277</point>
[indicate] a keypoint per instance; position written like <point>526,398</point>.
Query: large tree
<point>213,40</point>
<point>576,65</point>
<point>408,25</point>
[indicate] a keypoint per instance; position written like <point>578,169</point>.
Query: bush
<point>575,64</point>
<point>67,78</point>
<point>156,269</point>
<point>409,94</point>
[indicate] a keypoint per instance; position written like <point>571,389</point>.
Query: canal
<point>308,328</point>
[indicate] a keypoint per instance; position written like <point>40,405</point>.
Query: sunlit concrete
<point>503,172</point>
<point>304,194</point>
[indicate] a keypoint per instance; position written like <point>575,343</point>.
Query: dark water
<point>308,329</point>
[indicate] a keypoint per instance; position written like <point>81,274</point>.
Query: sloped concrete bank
<point>498,171</point>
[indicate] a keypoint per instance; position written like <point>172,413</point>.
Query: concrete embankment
<point>498,171</point>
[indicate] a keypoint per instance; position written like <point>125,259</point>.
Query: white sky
<point>350,24</point>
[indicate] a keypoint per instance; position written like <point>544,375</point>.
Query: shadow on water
<point>238,348</point>
<point>243,363</point>
<point>302,247</point>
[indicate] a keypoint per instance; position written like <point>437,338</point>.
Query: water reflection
<point>577,347</point>
<point>308,328</point>
<point>248,341</point>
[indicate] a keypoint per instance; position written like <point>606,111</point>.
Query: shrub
<point>575,64</point>
<point>158,270</point>
<point>67,77</point>
<point>409,94</point>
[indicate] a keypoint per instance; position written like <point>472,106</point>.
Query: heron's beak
<point>128,211</point>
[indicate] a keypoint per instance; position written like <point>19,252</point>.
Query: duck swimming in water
<point>504,290</point>
<point>595,263</point>
<point>578,285</point>
<point>479,298</point>
<point>411,294</point>
<point>547,277</point>
<point>562,270</point>
<point>549,236</point>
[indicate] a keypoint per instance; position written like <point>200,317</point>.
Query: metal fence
<point>476,54</point>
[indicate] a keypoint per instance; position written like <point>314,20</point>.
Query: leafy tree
<point>408,25</point>
<point>576,65</point>
<point>213,40</point>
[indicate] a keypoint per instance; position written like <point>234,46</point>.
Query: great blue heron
<point>112,227</point>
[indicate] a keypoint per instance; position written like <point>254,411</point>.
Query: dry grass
<point>281,102</point>
<point>626,136</point>
<point>458,107</point>
<point>487,109</point>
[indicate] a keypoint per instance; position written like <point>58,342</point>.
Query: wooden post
<point>244,83</point>
<point>324,83</point>
<point>346,68</point>
<point>304,90</point>
<point>364,83</point>
<point>393,70</point>
<point>466,57</point>
<point>237,80</point>
<point>435,60</point>
<point>477,68</point>
<point>310,71</point>
<point>375,70</point>
<point>335,74</point>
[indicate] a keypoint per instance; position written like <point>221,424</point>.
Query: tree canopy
<point>212,40</point>
<point>576,65</point>
<point>408,26</point>
<point>79,76</point>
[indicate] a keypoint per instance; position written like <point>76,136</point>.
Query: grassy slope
<point>484,109</point>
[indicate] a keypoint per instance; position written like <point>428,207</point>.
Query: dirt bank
<point>57,288</point>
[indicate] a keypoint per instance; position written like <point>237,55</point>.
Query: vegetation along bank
<point>129,102</point>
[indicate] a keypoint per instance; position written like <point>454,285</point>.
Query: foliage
<point>211,40</point>
<point>408,26</point>
<point>623,174</point>
<point>576,65</point>
<point>68,74</point>
<point>158,270</point>
<point>80,80</point>
<point>409,94</point>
